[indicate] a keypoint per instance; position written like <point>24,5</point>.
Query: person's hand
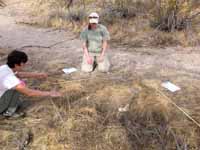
<point>89,60</point>
<point>55,94</point>
<point>41,75</point>
<point>101,58</point>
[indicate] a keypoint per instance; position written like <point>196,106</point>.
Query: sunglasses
<point>93,17</point>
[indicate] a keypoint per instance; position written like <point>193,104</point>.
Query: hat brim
<point>94,20</point>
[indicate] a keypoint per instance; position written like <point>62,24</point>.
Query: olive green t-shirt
<point>94,38</point>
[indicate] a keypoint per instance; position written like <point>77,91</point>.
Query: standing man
<point>94,40</point>
<point>11,85</point>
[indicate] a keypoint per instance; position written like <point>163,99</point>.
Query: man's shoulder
<point>4,68</point>
<point>102,26</point>
<point>85,29</point>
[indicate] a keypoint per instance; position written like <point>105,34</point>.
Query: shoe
<point>18,115</point>
<point>14,115</point>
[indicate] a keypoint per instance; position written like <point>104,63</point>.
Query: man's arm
<point>104,47</point>
<point>35,93</point>
<point>85,49</point>
<point>86,53</point>
<point>31,75</point>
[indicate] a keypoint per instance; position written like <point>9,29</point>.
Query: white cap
<point>94,18</point>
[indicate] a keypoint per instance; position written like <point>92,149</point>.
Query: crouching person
<point>94,42</point>
<point>11,86</point>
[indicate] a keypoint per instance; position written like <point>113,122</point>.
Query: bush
<point>126,9</point>
<point>170,15</point>
<point>77,15</point>
<point>2,4</point>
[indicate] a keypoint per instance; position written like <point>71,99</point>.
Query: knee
<point>86,69</point>
<point>104,68</point>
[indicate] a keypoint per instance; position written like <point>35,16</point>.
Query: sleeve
<point>105,34</point>
<point>83,35</point>
<point>11,81</point>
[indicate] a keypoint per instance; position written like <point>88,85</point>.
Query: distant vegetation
<point>2,4</point>
<point>139,22</point>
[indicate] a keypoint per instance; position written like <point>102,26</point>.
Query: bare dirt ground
<point>51,50</point>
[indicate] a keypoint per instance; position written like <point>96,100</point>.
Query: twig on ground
<point>39,46</point>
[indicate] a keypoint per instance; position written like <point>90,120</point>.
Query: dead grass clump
<point>116,138</point>
<point>150,106</point>
<point>14,139</point>
<point>76,15</point>
<point>121,10</point>
<point>2,4</point>
<point>56,13</point>
<point>170,15</point>
<point>153,123</point>
<point>63,18</point>
<point>159,38</point>
<point>88,128</point>
<point>81,129</point>
<point>91,122</point>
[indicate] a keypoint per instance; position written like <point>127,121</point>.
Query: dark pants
<point>9,101</point>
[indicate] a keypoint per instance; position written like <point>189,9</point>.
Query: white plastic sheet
<point>170,86</point>
<point>69,70</point>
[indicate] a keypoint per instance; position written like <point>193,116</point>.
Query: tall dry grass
<point>92,120</point>
<point>2,4</point>
<point>170,15</point>
<point>136,21</point>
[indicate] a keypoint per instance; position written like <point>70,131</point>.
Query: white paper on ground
<point>170,86</point>
<point>69,70</point>
<point>124,109</point>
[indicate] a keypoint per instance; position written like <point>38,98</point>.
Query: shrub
<point>76,15</point>
<point>2,4</point>
<point>126,9</point>
<point>170,15</point>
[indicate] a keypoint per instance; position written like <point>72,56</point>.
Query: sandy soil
<point>51,50</point>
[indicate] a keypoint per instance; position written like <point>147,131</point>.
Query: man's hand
<point>101,58</point>
<point>55,94</point>
<point>89,60</point>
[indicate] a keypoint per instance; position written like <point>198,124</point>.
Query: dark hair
<point>89,27</point>
<point>16,58</point>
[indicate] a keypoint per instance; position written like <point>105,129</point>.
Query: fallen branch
<point>39,46</point>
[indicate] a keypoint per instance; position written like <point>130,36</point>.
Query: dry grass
<point>130,22</point>
<point>2,4</point>
<point>89,118</point>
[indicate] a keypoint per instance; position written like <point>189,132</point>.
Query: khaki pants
<point>102,66</point>
<point>9,101</point>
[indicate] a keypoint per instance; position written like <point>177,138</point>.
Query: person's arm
<point>104,47</point>
<point>106,37</point>
<point>86,53</point>
<point>85,49</point>
<point>83,37</point>
<point>31,75</point>
<point>35,93</point>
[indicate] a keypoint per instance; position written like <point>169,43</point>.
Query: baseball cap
<point>94,18</point>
